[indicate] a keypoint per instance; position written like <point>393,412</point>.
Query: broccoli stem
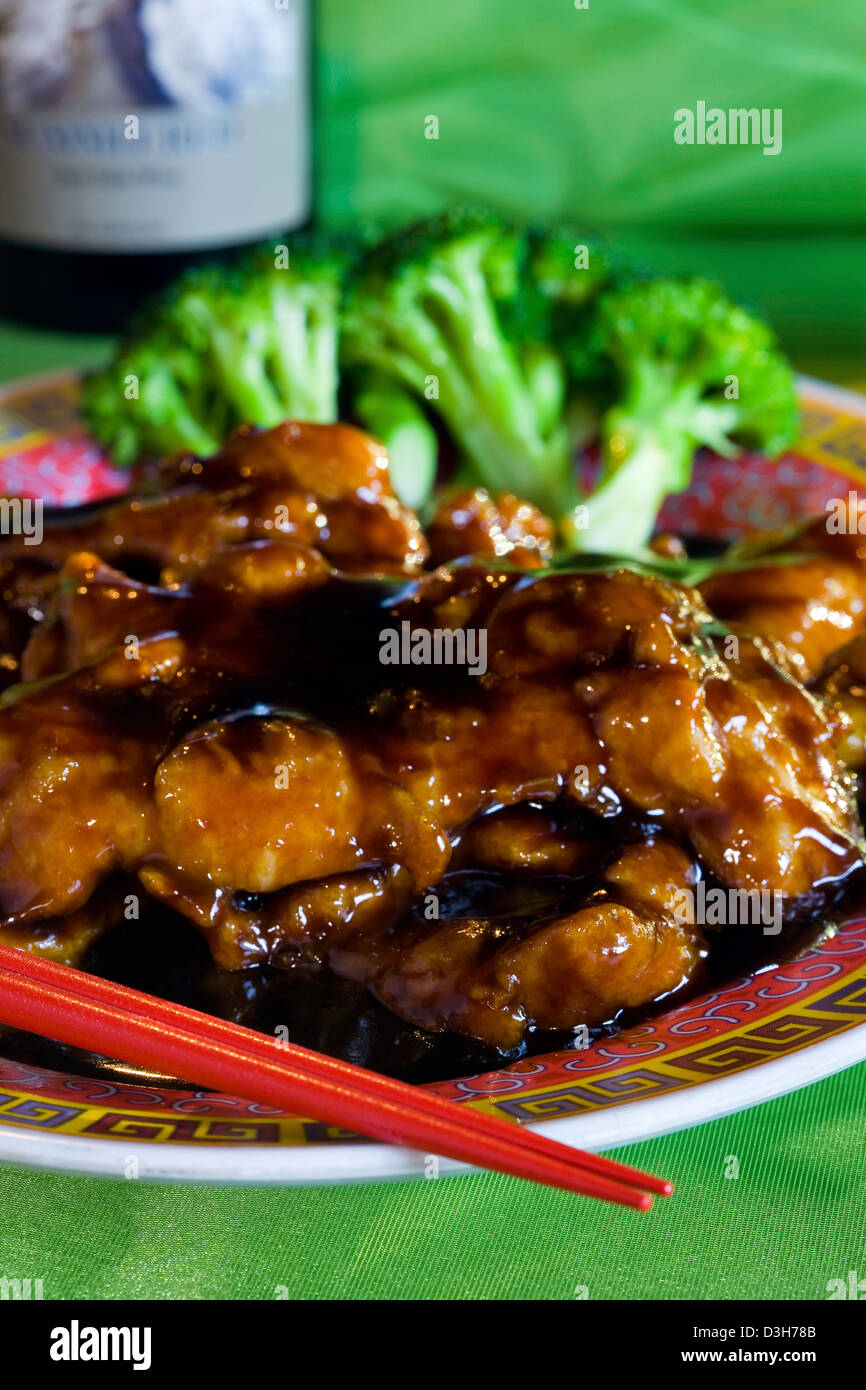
<point>646,462</point>
<point>304,364</point>
<point>244,378</point>
<point>506,448</point>
<point>324,373</point>
<point>545,381</point>
<point>490,365</point>
<point>542,473</point>
<point>394,417</point>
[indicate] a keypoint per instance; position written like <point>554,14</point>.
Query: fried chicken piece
<point>843,687</point>
<point>803,610</point>
<point>76,800</point>
<point>331,462</point>
<point>623,942</point>
<point>472,522</point>
<point>68,938</point>
<point>234,731</point>
<point>526,839</point>
<point>606,690</point>
<point>237,936</point>
<point>258,803</point>
<point>318,486</point>
<point>603,690</point>
<point>736,764</point>
<point>298,923</point>
<point>26,586</point>
<point>96,610</point>
<point>626,947</point>
<point>92,611</point>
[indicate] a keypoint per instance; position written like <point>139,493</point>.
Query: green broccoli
<point>256,342</point>
<point>150,400</point>
<point>508,342</point>
<point>462,310</point>
<point>303,304</point>
<point>693,369</point>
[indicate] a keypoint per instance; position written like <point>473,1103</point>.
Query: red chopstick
<point>328,1068</point>
<point>40,996</point>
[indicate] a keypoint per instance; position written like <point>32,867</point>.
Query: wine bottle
<point>141,136</point>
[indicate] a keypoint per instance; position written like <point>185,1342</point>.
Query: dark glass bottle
<point>138,137</point>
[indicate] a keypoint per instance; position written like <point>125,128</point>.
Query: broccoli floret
<point>461,310</point>
<point>303,305</point>
<point>395,417</point>
<point>222,316</point>
<point>150,400</point>
<point>256,342</point>
<point>693,369</point>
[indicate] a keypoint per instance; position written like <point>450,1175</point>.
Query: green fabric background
<point>544,109</point>
<point>547,109</point>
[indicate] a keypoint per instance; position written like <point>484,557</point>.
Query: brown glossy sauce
<point>163,955</point>
<point>317,655</point>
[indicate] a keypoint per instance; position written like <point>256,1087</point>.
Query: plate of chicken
<point>566,833</point>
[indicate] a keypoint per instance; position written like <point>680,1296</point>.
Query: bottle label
<point>153,125</point>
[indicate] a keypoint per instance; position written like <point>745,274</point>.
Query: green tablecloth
<point>552,109</point>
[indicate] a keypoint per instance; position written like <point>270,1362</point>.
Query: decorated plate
<point>755,1038</point>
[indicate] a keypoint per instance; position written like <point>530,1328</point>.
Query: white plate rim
<point>326,1164</point>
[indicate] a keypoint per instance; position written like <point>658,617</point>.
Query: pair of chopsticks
<point>70,1006</point>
